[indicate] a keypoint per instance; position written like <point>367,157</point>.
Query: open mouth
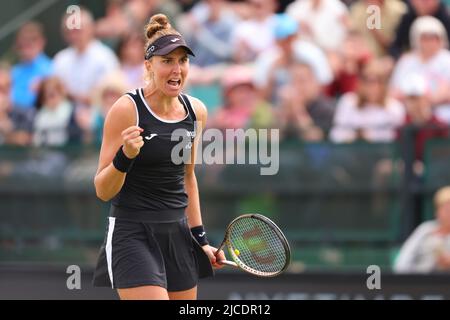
<point>174,84</point>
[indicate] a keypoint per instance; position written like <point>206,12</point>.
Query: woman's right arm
<point>119,130</point>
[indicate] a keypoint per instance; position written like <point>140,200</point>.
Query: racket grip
<point>219,248</point>
<point>228,263</point>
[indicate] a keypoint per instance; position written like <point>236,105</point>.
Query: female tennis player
<point>155,245</point>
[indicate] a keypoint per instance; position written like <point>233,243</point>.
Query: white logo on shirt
<point>151,136</point>
<point>202,234</point>
<point>175,40</point>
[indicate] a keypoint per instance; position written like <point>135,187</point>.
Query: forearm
<point>108,182</point>
<point>193,209</point>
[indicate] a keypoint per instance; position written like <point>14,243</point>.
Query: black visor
<point>165,45</point>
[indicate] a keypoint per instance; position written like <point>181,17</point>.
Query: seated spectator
<point>305,113</point>
<point>132,59</point>
<point>15,123</point>
<point>54,124</point>
<point>272,66</point>
<point>427,249</point>
<point>323,22</point>
<point>431,58</point>
<point>369,114</point>
<point>420,122</point>
<point>377,40</point>
<point>346,63</point>
<point>127,16</point>
<point>208,28</point>
<point>254,35</point>
<point>34,64</point>
<point>85,62</point>
<point>418,8</point>
<point>109,91</point>
<point>242,106</point>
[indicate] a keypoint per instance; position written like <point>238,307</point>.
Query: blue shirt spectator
<point>34,65</point>
<point>25,77</point>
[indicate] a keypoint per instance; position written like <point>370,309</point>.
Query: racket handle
<point>228,263</point>
<point>220,248</point>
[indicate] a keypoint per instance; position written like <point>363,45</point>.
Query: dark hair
<point>47,82</point>
<point>124,40</point>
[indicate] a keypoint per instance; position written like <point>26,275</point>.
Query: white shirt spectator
<point>51,125</point>
<point>418,254</point>
<point>304,52</point>
<point>378,123</point>
<point>256,36</point>
<point>326,24</point>
<point>436,72</point>
<point>80,72</point>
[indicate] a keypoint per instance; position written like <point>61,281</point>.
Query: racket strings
<point>257,245</point>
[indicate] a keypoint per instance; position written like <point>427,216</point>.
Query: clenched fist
<point>132,141</point>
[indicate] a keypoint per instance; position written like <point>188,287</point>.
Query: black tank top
<point>155,183</point>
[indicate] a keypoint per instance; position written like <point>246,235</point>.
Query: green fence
<point>437,172</point>
<point>340,205</point>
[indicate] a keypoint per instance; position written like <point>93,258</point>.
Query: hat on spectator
<point>427,25</point>
<point>285,26</point>
<point>414,85</point>
<point>237,75</point>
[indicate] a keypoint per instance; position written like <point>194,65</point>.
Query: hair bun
<point>157,22</point>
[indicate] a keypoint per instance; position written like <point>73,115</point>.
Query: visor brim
<point>168,49</point>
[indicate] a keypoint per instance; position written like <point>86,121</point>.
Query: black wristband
<point>121,162</point>
<point>200,235</point>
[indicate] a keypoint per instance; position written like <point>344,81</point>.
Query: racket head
<point>257,245</point>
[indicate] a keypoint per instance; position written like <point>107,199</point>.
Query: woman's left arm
<point>193,209</point>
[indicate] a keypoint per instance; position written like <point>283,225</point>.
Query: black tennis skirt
<point>150,249</point>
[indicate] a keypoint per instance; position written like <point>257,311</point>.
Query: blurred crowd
<point>318,70</point>
<point>342,71</point>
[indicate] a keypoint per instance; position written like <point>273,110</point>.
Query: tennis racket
<point>256,245</point>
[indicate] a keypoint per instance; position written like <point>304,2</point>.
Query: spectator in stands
<point>431,58</point>
<point>304,113</point>
<point>380,39</point>
<point>369,114</point>
<point>127,16</point>
<point>418,8</point>
<point>346,63</point>
<point>111,88</point>
<point>242,107</point>
<point>323,22</point>
<point>208,28</point>
<point>33,66</point>
<point>54,124</point>
<point>427,249</point>
<point>15,123</point>
<point>420,121</point>
<point>272,66</point>
<point>132,60</point>
<point>255,35</point>
<point>85,62</point>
